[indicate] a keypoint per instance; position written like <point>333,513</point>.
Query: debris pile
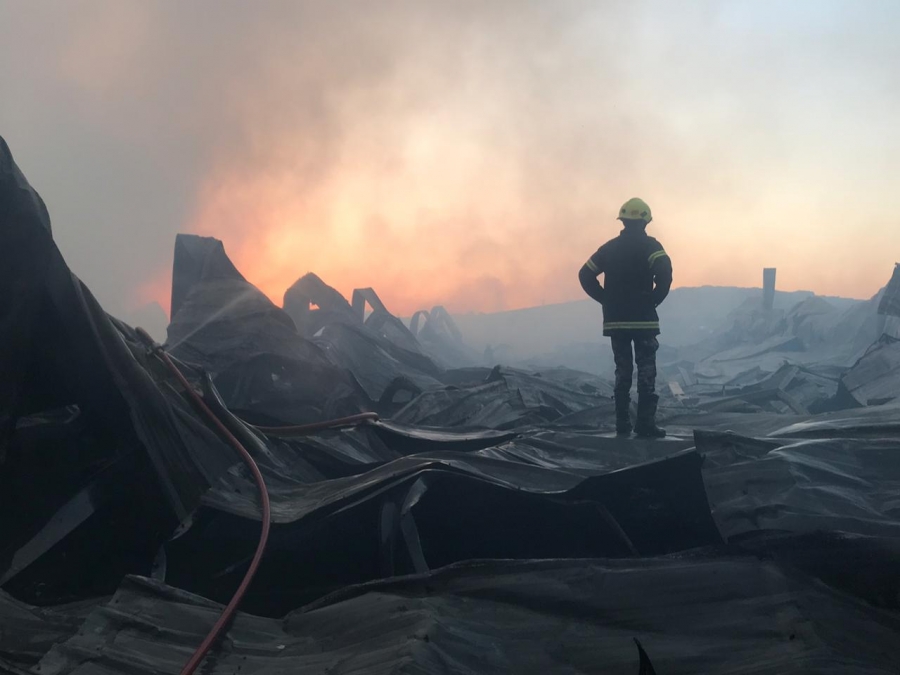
<point>225,326</point>
<point>811,358</point>
<point>874,378</point>
<point>487,522</point>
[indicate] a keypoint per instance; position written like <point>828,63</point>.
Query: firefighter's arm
<point>661,266</point>
<point>588,277</point>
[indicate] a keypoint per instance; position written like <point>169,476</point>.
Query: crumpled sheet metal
<point>338,453</point>
<point>691,616</point>
<point>866,567</point>
<point>260,363</point>
<point>379,339</point>
<point>792,389</point>
<point>393,330</point>
<point>848,485</point>
<point>441,338</point>
<point>378,350</point>
<point>459,506</point>
<point>409,440</point>
<point>438,322</point>
<point>759,360</point>
<point>875,378</point>
<point>870,422</point>
<point>61,348</point>
<point>813,332</point>
<point>584,453</point>
<point>311,290</point>
<point>27,633</point>
<point>19,201</point>
<point>725,448</point>
<point>375,363</point>
<point>507,399</point>
<point>489,405</point>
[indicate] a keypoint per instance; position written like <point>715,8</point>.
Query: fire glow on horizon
<point>467,154</point>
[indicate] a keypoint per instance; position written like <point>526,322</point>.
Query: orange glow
<point>158,290</point>
<point>468,154</point>
<point>466,220</point>
<point>370,234</point>
<point>418,246</point>
<point>431,232</point>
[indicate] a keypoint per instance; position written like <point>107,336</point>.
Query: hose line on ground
<point>227,614</point>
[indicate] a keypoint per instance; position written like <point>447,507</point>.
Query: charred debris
<point>488,521</point>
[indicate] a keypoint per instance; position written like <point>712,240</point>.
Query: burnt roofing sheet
<point>425,511</point>
<point>711,616</point>
<point>875,378</point>
<point>846,485</point>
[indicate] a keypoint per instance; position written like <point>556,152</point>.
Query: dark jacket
<point>638,275</point>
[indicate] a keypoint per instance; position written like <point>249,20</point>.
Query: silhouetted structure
<point>768,288</point>
<point>890,301</point>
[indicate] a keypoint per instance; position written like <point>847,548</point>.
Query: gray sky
<point>471,153</point>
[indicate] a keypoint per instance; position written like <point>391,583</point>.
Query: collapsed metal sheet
<point>710,616</point>
<point>846,485</point>
<point>584,453</point>
<point>379,350</point>
<point>507,398</point>
<point>441,338</point>
<point>330,305</point>
<point>27,633</point>
<point>864,566</point>
<point>461,506</point>
<point>142,458</point>
<point>260,363</point>
<point>376,364</point>
<point>875,378</point>
<point>873,422</point>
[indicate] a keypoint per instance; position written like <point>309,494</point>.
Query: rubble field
<point>465,517</point>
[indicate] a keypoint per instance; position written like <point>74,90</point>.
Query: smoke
<point>467,153</point>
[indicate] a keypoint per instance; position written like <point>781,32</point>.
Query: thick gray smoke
<point>470,153</point>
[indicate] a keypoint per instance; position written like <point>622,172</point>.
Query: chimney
<point>768,288</point>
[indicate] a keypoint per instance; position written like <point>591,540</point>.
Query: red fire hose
<point>227,614</point>
<point>296,430</point>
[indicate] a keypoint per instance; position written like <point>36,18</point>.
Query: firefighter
<point>638,275</point>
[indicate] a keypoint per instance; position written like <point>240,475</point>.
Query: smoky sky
<point>466,153</point>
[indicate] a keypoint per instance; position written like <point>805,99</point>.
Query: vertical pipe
<point>768,288</point>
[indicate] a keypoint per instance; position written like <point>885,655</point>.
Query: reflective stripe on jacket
<point>637,277</point>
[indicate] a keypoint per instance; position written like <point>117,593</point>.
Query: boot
<point>623,418</point>
<point>646,417</point>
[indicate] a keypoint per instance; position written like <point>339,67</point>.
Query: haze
<point>466,153</point>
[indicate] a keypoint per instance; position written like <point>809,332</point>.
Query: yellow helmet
<point>635,209</point>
